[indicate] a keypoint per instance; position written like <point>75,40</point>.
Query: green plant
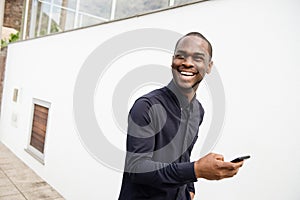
<point>12,38</point>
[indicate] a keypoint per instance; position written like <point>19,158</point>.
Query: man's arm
<point>143,169</point>
<point>141,142</point>
<point>213,167</point>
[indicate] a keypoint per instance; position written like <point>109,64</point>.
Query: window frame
<point>34,152</point>
<point>79,14</point>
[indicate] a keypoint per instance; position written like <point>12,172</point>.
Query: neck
<point>189,94</point>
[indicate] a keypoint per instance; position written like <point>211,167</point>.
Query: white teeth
<point>187,73</point>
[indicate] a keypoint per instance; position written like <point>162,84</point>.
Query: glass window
<point>70,3</point>
<point>66,3</point>
<point>42,19</point>
<point>178,2</point>
<point>67,19</point>
<point>59,2</point>
<point>85,20</point>
<point>50,16</point>
<point>47,20</point>
<point>55,20</point>
<point>100,8</point>
<point>125,8</point>
<point>61,19</point>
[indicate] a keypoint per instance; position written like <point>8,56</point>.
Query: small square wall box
<point>15,95</point>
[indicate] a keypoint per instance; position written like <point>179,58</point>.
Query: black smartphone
<point>239,159</point>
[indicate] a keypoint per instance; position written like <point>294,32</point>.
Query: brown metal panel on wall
<point>39,127</point>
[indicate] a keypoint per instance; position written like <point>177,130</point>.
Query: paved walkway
<point>19,182</point>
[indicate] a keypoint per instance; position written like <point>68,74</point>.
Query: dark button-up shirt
<point>162,129</point>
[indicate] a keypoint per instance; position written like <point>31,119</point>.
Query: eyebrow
<point>194,54</point>
<point>199,54</point>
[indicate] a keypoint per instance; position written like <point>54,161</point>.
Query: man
<point>163,127</point>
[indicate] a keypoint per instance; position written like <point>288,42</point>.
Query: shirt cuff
<point>187,172</point>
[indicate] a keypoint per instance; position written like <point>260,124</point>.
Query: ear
<point>210,65</point>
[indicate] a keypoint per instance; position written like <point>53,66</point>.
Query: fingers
<point>232,166</point>
<point>213,167</point>
<point>228,169</point>
<point>192,195</point>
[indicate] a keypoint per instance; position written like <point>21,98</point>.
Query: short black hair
<point>197,34</point>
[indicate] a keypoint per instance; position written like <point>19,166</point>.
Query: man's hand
<point>213,167</point>
<point>192,195</point>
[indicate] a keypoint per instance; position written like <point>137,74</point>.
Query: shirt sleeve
<point>191,187</point>
<point>139,163</point>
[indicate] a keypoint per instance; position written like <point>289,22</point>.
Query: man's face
<point>191,61</point>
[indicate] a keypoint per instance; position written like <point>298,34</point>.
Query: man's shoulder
<point>157,93</point>
<point>157,96</point>
<point>146,101</point>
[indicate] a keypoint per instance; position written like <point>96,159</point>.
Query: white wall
<point>256,46</point>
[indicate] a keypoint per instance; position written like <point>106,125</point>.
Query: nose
<point>188,62</point>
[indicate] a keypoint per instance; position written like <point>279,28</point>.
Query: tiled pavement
<point>19,182</point>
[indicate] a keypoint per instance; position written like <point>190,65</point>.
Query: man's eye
<point>198,58</point>
<point>178,56</point>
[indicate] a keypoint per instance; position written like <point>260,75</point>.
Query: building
<point>43,17</point>
<point>10,17</point>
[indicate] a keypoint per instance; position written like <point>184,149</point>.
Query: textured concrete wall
<point>1,16</point>
<point>3,53</point>
<point>13,14</point>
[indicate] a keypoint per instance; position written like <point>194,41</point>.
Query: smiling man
<point>191,61</point>
<point>163,128</point>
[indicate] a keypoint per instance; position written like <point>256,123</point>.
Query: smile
<point>185,73</point>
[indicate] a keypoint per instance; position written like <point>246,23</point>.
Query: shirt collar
<point>183,100</point>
